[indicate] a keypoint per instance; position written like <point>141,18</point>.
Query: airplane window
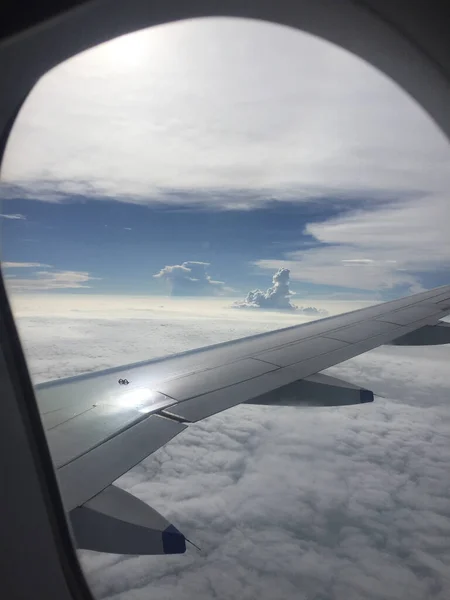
<point>215,179</point>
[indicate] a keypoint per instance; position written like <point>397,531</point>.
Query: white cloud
<point>336,503</point>
<point>277,297</point>
<point>50,280</point>
<point>329,503</point>
<point>375,249</point>
<point>360,261</point>
<point>190,279</point>
<point>23,265</point>
<point>139,120</point>
<point>267,114</point>
<point>15,217</point>
<point>167,309</point>
<point>44,280</point>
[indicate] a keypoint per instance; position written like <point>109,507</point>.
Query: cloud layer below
<point>329,504</point>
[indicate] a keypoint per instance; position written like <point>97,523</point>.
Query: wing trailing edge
<point>429,335</point>
<point>316,390</point>
<point>98,428</point>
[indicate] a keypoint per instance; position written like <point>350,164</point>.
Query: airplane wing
<point>100,425</point>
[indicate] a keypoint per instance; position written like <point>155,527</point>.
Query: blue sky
<point>124,244</point>
<point>273,149</point>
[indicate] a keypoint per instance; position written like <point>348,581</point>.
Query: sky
<point>244,145</point>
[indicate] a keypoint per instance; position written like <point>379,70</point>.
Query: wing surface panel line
<point>412,300</point>
<point>195,384</point>
<point>107,439</point>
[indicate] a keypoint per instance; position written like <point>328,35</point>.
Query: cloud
<point>23,265</point>
<point>338,131</point>
<point>313,504</point>
<point>51,280</point>
<point>360,261</point>
<point>346,502</point>
<point>377,248</point>
<point>114,122</point>
<point>190,279</point>
<point>15,217</point>
<point>277,297</point>
<point>45,280</point>
<point>313,311</point>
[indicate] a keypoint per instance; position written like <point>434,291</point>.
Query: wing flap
<point>98,428</point>
<point>84,477</point>
<point>93,426</point>
<point>206,405</point>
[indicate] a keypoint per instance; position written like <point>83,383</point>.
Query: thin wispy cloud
<point>23,265</point>
<point>51,280</point>
<point>12,216</point>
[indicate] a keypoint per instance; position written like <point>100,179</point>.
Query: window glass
<point>213,179</point>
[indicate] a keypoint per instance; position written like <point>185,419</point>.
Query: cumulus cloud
<point>190,279</point>
<point>15,217</point>
<point>277,297</point>
<point>348,502</point>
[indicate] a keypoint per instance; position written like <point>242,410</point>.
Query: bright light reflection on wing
<point>144,399</point>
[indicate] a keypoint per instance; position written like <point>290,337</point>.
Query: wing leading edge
<point>100,425</point>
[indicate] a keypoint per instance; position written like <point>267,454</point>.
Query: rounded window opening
<point>214,179</point>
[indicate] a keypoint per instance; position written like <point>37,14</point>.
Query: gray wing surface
<point>98,428</point>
